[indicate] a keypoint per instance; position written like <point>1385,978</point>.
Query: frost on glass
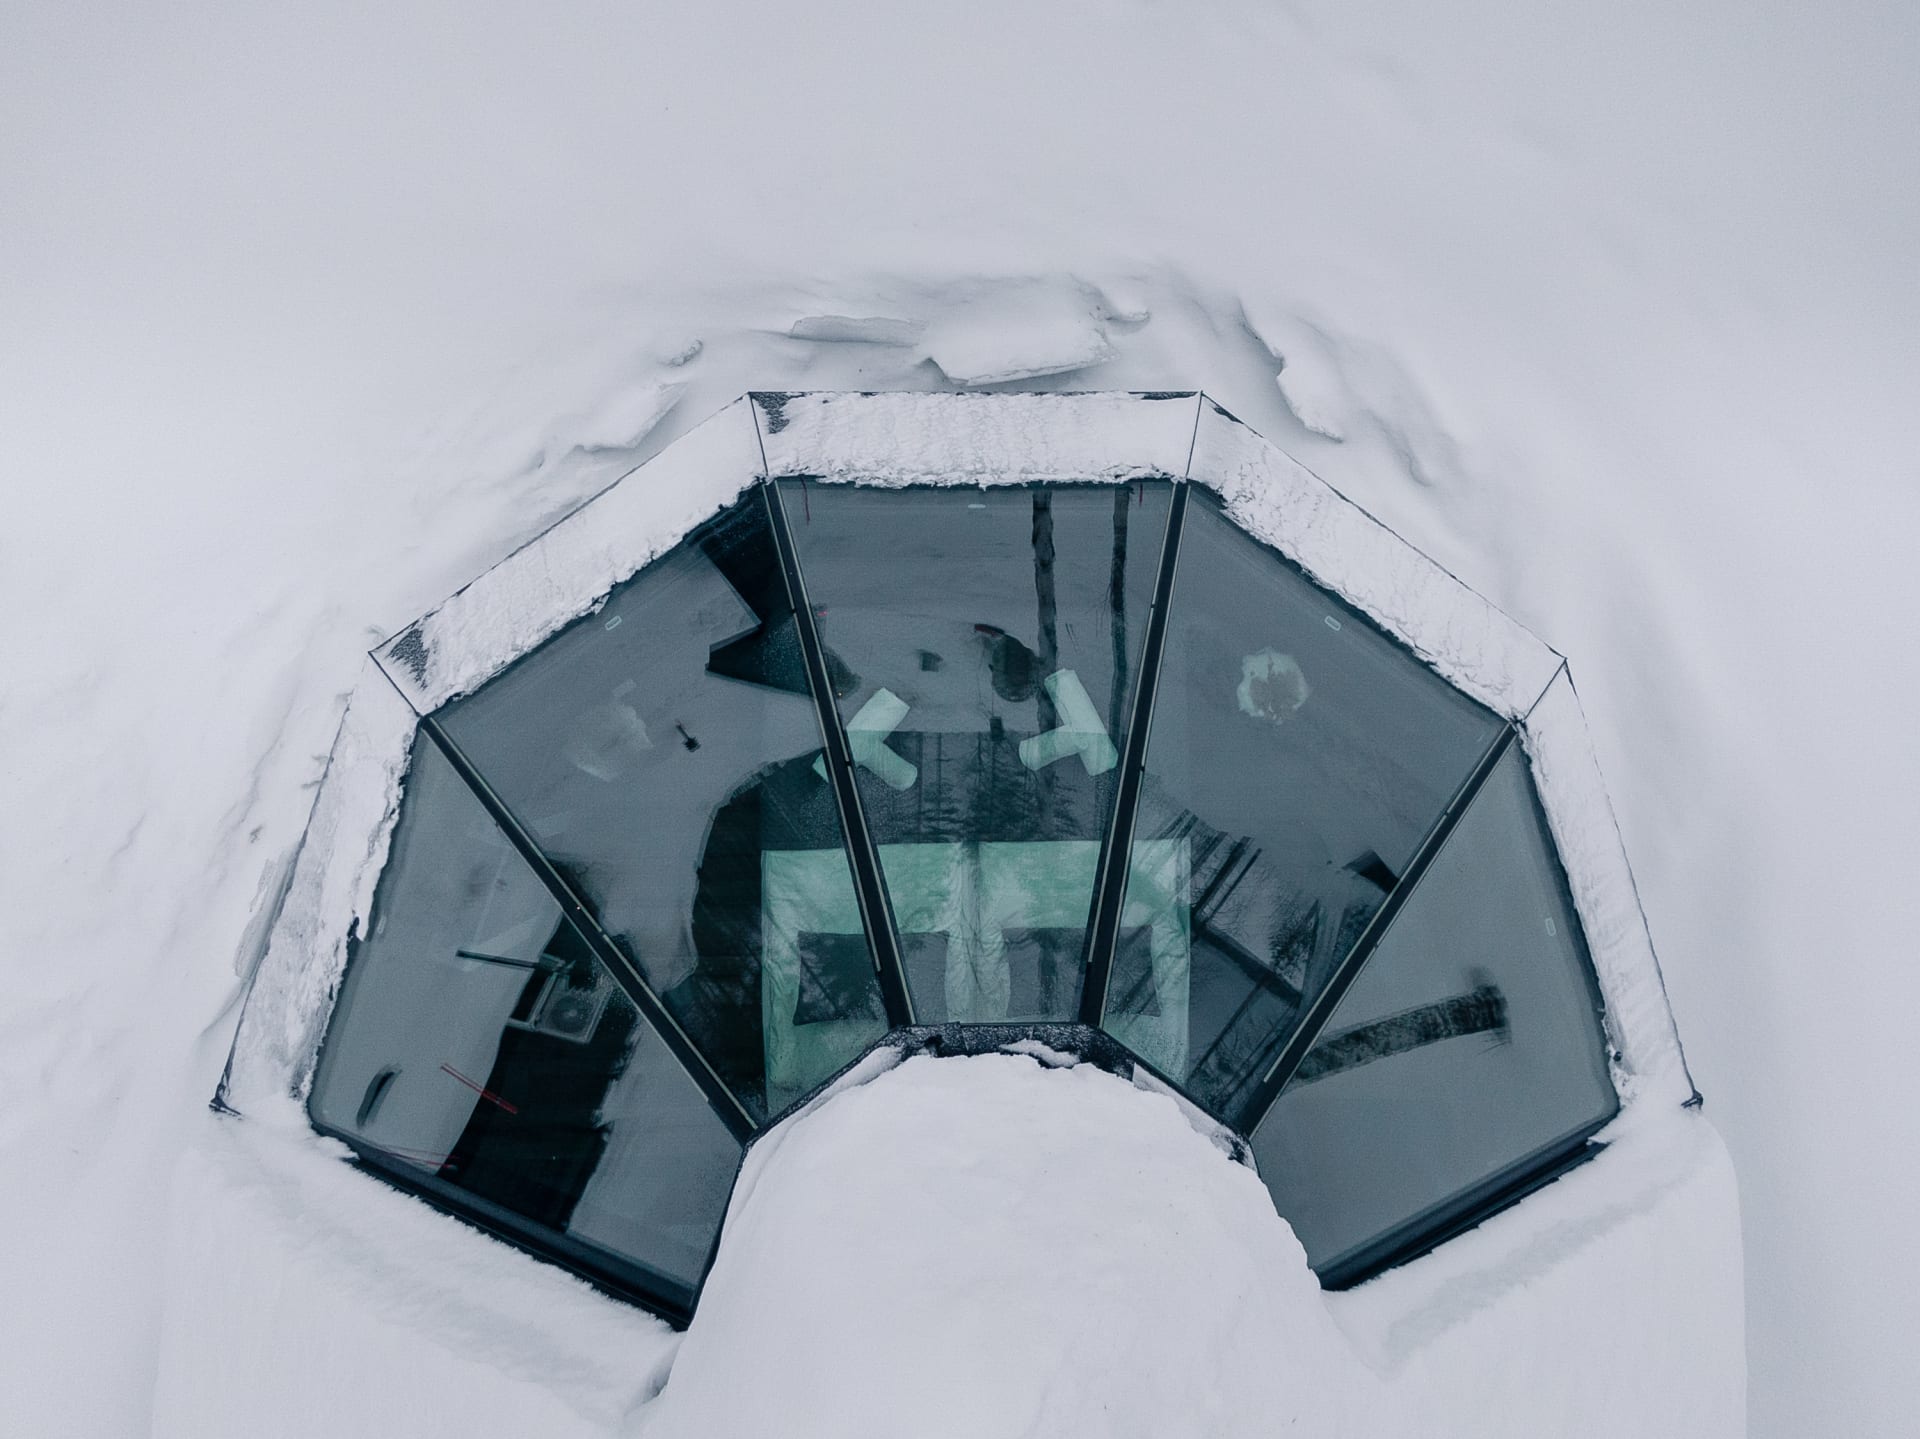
<point>479,1048</point>
<point>1297,759</point>
<point>983,646</point>
<point>661,752</point>
<point>1469,1048</point>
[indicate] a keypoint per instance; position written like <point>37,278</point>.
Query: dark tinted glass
<point>477,1043</point>
<point>1470,1045</point>
<point>984,645</point>
<point>1297,759</point>
<point>661,753</point>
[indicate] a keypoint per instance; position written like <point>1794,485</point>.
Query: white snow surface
<point>1053,1251</point>
<point>298,1304</point>
<point>307,319</point>
<point>908,439</point>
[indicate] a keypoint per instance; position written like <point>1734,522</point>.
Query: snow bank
<point>1018,332</point>
<point>990,1245</point>
<point>305,1302</point>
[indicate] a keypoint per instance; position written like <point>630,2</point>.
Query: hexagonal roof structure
<point>858,724</point>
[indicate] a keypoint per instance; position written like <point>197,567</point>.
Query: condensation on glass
<point>984,645</point>
<point>1297,759</point>
<point>665,755</point>
<point>1468,1048</point>
<point>479,1049</point>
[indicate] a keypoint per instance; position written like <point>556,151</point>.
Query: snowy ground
<point>303,322</point>
<point>1068,1256</point>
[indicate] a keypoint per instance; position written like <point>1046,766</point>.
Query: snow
<point>1275,498</point>
<point>1010,439</point>
<point>1019,332</point>
<point>569,568</point>
<point>298,1304</point>
<point>326,895</point>
<point>310,319</point>
<point>1650,1061</point>
<point>938,439</point>
<point>1069,1256</point>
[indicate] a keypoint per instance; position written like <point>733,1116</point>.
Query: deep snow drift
<point>1038,1252</point>
<point>958,1246</point>
<point>993,1246</point>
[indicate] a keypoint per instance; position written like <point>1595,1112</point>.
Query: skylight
<point>868,759</point>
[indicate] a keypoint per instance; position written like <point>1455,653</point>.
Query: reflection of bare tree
<point>1482,1010</point>
<point>1305,940</point>
<point>1116,603</point>
<point>1048,634</point>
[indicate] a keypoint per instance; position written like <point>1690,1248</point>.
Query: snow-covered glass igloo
<point>950,723</point>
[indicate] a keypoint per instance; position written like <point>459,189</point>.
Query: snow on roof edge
<point>329,898</point>
<point>1566,773</point>
<point>1470,641</point>
<point>570,568</point>
<point>914,437</point>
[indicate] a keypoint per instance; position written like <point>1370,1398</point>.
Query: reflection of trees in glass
<point>1481,1010</point>
<point>1262,948</point>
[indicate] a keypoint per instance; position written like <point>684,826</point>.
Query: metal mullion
<point>1320,1011</point>
<point>616,961</point>
<point>1426,1232</point>
<point>1116,847</point>
<point>869,888</point>
<point>1558,670</point>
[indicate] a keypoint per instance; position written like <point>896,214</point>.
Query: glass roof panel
<point>1469,1046</point>
<point>660,752</point>
<point>1297,758</point>
<point>478,1048</point>
<point>984,645</point>
<point>984,649</point>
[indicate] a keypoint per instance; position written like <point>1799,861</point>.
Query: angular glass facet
<point>1468,1051</point>
<point>984,645</point>
<point>1297,758</point>
<point>661,753</point>
<point>479,1046</point>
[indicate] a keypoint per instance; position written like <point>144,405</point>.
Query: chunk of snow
<point>1018,332</point>
<point>857,330</point>
<point>1310,378</point>
<point>1043,1053</point>
<point>982,1245</point>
